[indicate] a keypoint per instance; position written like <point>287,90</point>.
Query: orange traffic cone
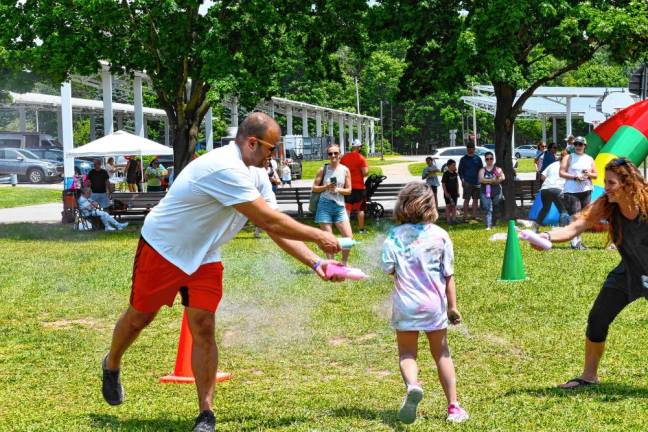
<point>182,374</point>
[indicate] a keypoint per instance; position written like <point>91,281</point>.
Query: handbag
<point>315,196</point>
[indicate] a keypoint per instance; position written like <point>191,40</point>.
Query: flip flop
<point>580,382</point>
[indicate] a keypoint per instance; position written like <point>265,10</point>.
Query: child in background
<point>450,184</point>
<point>419,255</point>
<point>286,176</point>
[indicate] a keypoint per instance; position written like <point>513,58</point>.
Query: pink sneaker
<point>456,414</point>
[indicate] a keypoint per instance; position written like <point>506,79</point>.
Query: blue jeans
<point>489,204</point>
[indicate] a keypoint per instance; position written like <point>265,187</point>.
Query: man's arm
<point>303,254</point>
<point>281,225</point>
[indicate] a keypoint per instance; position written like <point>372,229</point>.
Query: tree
<point>517,45</point>
<point>193,60</point>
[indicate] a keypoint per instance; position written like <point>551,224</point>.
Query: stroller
<point>372,208</point>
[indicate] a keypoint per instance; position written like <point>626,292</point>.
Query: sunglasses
<point>579,144</point>
<point>267,144</point>
<point>618,162</point>
<point>333,153</point>
<point>489,158</point>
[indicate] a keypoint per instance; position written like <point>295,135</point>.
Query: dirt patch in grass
<point>91,323</point>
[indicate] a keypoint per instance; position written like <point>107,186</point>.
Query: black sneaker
<point>205,422</point>
<point>111,387</point>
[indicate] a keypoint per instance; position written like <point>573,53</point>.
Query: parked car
<point>490,147</point>
<point>27,140</point>
<point>27,165</point>
<point>525,151</point>
<point>456,153</point>
<point>54,154</point>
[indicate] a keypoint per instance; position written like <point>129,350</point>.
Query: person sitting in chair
<point>88,208</point>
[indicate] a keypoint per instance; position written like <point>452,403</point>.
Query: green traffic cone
<point>513,266</point>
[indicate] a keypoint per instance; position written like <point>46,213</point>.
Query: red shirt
<point>355,162</point>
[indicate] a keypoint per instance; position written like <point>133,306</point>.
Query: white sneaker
<point>407,412</point>
<point>121,226</point>
<point>109,228</point>
<point>456,414</point>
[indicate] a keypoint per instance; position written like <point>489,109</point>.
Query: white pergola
<point>547,103</point>
<point>65,105</point>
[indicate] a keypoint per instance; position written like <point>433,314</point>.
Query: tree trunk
<point>504,118</point>
<point>185,135</point>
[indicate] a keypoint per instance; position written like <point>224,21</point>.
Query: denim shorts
<point>329,212</point>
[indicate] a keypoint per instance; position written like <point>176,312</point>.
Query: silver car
<point>26,164</point>
<point>444,154</point>
<point>525,151</point>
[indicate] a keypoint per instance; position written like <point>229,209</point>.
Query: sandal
<point>579,382</point>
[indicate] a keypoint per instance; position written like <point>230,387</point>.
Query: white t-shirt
<point>285,173</point>
<point>196,216</point>
<point>552,177</point>
<point>578,163</point>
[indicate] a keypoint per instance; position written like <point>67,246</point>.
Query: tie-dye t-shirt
<point>421,257</point>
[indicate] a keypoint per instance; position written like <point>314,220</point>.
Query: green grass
<point>310,168</point>
<point>524,165</point>
<point>307,355</point>
<point>23,196</point>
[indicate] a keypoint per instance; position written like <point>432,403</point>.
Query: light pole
<point>382,140</point>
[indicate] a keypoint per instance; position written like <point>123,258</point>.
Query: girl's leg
<point>327,228</point>
<point>407,351</point>
<point>345,229</point>
<point>441,352</point>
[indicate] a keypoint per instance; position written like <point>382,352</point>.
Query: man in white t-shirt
<point>179,251</point>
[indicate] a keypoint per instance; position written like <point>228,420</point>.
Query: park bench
<point>134,203</point>
<point>526,190</point>
<point>301,195</point>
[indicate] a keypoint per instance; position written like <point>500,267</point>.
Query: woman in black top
<point>625,207</point>
<point>134,175</point>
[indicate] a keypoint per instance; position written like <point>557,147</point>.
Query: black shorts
<point>356,196</point>
<point>452,200</point>
<point>471,191</point>
<point>576,202</point>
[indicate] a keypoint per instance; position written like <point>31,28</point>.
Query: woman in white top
<point>551,193</point>
<point>333,180</point>
<point>578,170</point>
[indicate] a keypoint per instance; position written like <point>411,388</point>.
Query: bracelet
<point>317,264</point>
<point>548,235</point>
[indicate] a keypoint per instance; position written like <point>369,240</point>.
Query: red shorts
<point>156,282</point>
<point>355,201</point>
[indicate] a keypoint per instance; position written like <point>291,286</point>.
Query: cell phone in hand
<point>333,180</point>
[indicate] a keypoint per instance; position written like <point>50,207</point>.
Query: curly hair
<point>634,187</point>
<point>416,204</point>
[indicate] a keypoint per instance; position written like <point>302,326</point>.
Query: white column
<point>22,119</point>
<point>167,138</point>
<point>330,125</point>
<point>318,124</point>
<point>234,113</point>
<point>68,144</point>
<point>568,113</point>
<point>93,127</point>
<point>139,108</point>
<point>289,119</point>
<point>555,130</point>
<point>366,141</point>
<point>341,132</point>
<point>304,123</point>
<point>209,130</point>
<point>106,85</point>
<point>37,124</point>
<point>350,131</point>
<point>513,138</point>
<point>373,136</point>
<point>544,129</point>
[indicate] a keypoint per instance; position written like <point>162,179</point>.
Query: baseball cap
<point>470,144</point>
<point>356,143</point>
<point>580,139</point>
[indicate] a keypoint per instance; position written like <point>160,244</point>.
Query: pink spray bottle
<point>344,272</point>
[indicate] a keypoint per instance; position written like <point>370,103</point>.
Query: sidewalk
<point>42,213</point>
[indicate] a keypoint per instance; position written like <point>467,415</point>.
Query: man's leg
<point>204,355</point>
<point>361,219</point>
<point>127,329</point>
<point>475,203</point>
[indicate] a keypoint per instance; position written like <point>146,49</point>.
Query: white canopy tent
<point>121,143</point>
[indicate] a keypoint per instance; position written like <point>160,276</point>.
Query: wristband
<point>548,235</point>
<point>317,264</point>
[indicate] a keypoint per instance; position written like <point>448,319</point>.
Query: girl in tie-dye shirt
<point>419,255</point>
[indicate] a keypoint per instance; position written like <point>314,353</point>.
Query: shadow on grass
<point>57,232</point>
<point>605,392</point>
<point>243,423</point>
<point>388,417</point>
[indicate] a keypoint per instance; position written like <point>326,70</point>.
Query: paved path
<point>48,213</point>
